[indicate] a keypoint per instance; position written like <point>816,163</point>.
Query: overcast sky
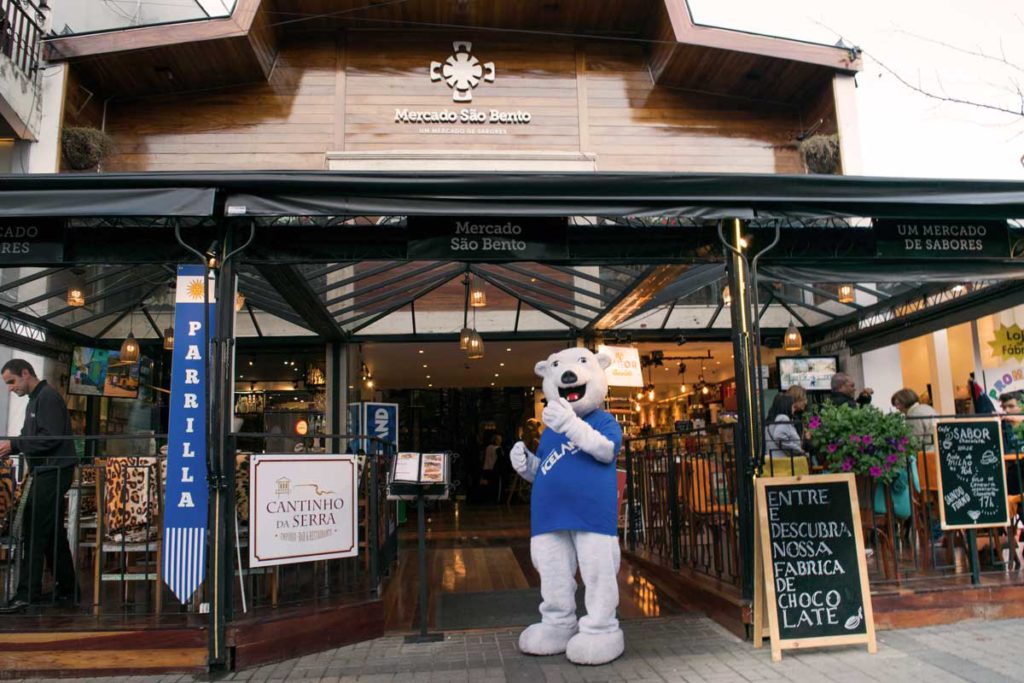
<point>904,133</point>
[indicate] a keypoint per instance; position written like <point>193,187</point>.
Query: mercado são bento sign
<point>462,72</point>
<point>302,508</point>
<point>487,238</point>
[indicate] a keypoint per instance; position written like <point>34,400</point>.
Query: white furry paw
<point>593,649</point>
<point>543,639</point>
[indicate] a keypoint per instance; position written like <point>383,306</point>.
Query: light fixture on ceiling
<point>475,350</point>
<point>169,339</point>
<point>470,340</point>
<point>130,347</point>
<point>76,292</point>
<point>846,294</point>
<point>477,295</point>
<point>793,341</point>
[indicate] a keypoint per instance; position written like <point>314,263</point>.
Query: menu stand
<point>420,477</point>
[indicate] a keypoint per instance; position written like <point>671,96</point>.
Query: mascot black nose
<point>569,378</point>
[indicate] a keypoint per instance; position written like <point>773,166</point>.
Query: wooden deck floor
<point>474,549</point>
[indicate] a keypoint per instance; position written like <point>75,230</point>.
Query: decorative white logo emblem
<point>462,71</point>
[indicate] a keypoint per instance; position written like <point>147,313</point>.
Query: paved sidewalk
<point>687,648</point>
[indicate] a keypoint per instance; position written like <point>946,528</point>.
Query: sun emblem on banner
<point>462,71</point>
<point>194,290</point>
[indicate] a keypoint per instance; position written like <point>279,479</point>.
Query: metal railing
<point>21,28</point>
<point>102,539</point>
<point>681,511</point>
<point>681,501</point>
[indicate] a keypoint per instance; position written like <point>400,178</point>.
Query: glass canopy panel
<point>72,17</point>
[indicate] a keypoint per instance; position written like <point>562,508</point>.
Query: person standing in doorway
<point>51,466</point>
<point>490,477</point>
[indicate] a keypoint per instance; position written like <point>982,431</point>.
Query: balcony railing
<point>21,27</point>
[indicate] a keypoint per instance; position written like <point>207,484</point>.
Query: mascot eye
<point>555,364</point>
<point>583,359</point>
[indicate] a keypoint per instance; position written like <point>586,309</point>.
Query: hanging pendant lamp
<point>794,341</point>
<point>129,349</point>
<point>846,295</point>
<point>130,346</point>
<point>475,350</point>
<point>726,296</point>
<point>477,295</point>
<point>464,336</point>
<point>76,294</point>
<point>169,339</point>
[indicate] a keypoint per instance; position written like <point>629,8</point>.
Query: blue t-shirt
<point>572,490</point>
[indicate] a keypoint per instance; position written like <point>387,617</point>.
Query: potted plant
<point>880,450</point>
<point>84,148</point>
<point>863,441</point>
<point>821,154</point>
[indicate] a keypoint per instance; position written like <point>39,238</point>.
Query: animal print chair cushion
<point>131,495</point>
<point>242,487</point>
<point>87,484</point>
<point>7,493</point>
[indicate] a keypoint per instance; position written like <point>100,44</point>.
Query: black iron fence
<point>681,501</point>
<point>83,538</point>
<point>21,28</point>
<point>681,510</point>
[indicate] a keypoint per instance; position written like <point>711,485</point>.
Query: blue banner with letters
<point>186,495</point>
<point>381,421</point>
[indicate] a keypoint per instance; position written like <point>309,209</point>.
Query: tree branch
<point>946,98</point>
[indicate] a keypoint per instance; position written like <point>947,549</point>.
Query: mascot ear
<point>604,360</point>
<point>541,368</point>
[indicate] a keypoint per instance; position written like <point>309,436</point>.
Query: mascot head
<point>577,375</point>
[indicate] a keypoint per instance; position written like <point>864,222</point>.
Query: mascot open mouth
<point>572,394</point>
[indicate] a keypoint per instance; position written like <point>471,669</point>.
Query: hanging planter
<point>821,154</point>
<point>85,148</point>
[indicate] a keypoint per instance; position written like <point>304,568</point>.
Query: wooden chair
<point>129,524</point>
<point>709,509</point>
<point>787,467</point>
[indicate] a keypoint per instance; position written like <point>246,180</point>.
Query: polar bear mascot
<point>573,511</point>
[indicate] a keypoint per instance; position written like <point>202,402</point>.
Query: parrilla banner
<point>185,500</point>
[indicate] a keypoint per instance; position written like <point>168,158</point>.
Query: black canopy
<point>309,193</point>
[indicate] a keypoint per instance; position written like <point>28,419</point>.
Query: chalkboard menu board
<point>972,478</point>
<point>809,563</point>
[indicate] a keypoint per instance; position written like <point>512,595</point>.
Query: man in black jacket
<point>844,392</point>
<point>51,463</point>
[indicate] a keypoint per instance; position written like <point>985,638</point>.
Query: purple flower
<point>892,458</point>
<point>854,438</point>
<point>904,441</point>
<point>814,422</point>
<point>832,447</point>
<point>875,471</point>
<point>901,448</point>
<point>847,465</point>
<point>866,440</point>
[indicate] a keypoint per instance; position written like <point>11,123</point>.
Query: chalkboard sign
<point>811,578</point>
<point>972,478</point>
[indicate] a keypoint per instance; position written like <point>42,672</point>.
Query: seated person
<point>1013,414</point>
<point>920,417</point>
<point>782,442</point>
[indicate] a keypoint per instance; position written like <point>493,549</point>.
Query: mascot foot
<point>542,639</point>
<point>595,648</point>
